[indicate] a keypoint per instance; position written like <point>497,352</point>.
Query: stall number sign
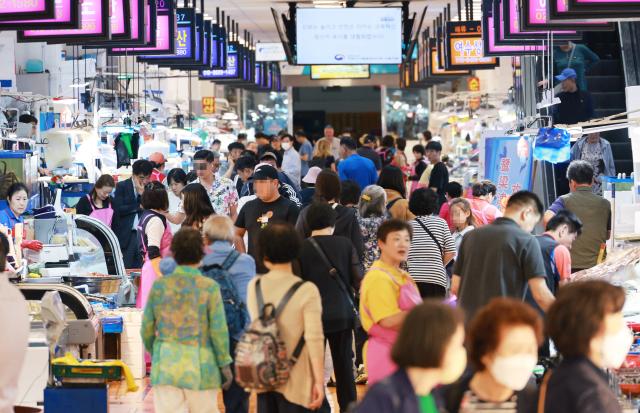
<point>466,47</point>
<point>208,105</point>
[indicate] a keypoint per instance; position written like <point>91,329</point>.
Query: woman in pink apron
<point>97,204</point>
<point>155,237</point>
<point>386,296</point>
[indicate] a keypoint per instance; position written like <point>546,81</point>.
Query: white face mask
<point>513,372</point>
<point>286,146</point>
<point>615,348</point>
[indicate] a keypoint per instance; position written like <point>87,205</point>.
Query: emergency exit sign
<point>208,105</point>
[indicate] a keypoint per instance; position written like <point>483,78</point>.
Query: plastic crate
<point>63,371</point>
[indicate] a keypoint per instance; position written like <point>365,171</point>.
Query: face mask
<point>454,366</point>
<point>513,372</point>
<point>615,348</point>
<point>286,146</point>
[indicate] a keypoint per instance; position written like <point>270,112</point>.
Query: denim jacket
<point>607,155</point>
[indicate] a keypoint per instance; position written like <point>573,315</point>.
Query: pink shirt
<point>484,212</point>
<point>444,214</point>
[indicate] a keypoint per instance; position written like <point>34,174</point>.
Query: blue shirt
<point>306,149</point>
<point>359,169</point>
<point>242,271</point>
<point>9,219</point>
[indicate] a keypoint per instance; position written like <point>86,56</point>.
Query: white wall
<point>498,80</point>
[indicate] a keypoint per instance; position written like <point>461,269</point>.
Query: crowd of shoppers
<point>343,240</point>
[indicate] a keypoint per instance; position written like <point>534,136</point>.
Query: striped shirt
<point>425,257</point>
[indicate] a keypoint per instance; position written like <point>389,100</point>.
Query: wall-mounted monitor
<point>434,67</point>
<point>232,70</point>
<point>270,52</point>
<point>325,72</point>
<point>349,36</point>
<point>66,16</point>
<point>94,26</point>
<point>161,39</point>
<point>28,10</point>
<point>535,17</point>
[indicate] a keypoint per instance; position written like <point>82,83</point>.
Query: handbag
<point>432,237</point>
<point>335,274</point>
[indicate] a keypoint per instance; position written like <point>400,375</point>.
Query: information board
<point>465,48</point>
<point>66,16</point>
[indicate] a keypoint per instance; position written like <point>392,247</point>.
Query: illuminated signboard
<point>489,33</point>
<point>535,16</point>
<point>465,48</point>
<point>161,40</point>
<point>94,26</point>
<point>197,60</point>
<point>340,72</point>
<point>66,16</point>
<point>21,9</point>
<point>512,30</point>
<point>185,41</point>
<point>434,66</point>
<point>127,28</point>
<point>232,70</point>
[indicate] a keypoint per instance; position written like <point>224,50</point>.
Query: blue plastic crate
<point>112,325</point>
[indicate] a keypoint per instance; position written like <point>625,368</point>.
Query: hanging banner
<point>66,16</point>
<point>618,10</point>
<point>185,41</point>
<point>20,9</point>
<point>232,70</point>
<point>434,66</point>
<point>507,161</point>
<point>465,49</point>
<point>127,28</point>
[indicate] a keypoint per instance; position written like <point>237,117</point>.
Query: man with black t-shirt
<point>269,206</point>
<point>439,174</point>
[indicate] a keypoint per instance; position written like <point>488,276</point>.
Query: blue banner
<point>508,164</point>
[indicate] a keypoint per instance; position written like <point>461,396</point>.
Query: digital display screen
<point>349,36</point>
<point>185,39</point>
<point>26,9</point>
<point>66,16</point>
<point>536,17</point>
<point>94,25</point>
<point>340,72</point>
<point>465,48</point>
<point>511,17</point>
<point>270,52</point>
<point>492,49</point>
<point>161,41</point>
<point>435,70</point>
<point>230,72</point>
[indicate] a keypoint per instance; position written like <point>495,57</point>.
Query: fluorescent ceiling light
<point>79,85</point>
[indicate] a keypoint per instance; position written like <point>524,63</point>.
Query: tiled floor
<point>142,401</point>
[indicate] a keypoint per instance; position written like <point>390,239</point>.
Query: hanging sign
<point>184,41</point>
<point>491,28</point>
<point>232,70</point>
<point>161,42</point>
<point>534,16</point>
<point>465,49</point>
<point>510,14</point>
<point>21,9</point>
<point>434,66</point>
<point>66,16</point>
<point>208,105</point>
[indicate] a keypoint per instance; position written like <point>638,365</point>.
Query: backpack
<point>261,361</point>
<point>234,308</point>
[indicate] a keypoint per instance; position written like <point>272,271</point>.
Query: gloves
<point>227,377</point>
<point>33,245</point>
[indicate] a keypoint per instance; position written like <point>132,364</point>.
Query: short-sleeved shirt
<point>222,194</point>
<point>439,179</point>
<point>496,260</point>
<point>359,169</point>
<point>372,155</point>
<point>306,149</point>
<point>379,294</point>
<point>425,255</point>
<point>595,214</point>
<point>9,219</point>
<point>257,214</point>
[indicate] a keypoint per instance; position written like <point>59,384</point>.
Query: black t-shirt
<point>337,314</point>
<point>83,207</point>
<point>371,154</point>
<point>439,179</point>
<point>322,163</point>
<point>257,214</point>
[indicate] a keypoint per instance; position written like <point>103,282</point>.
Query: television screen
<point>324,72</point>
<point>535,16</point>
<point>33,9</point>
<point>270,52</point>
<point>349,36</point>
<point>66,16</point>
<point>465,49</point>
<point>513,31</point>
<point>185,39</point>
<point>94,25</point>
<point>489,32</point>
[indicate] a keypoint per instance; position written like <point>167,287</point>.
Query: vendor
<point>17,200</point>
<point>97,204</point>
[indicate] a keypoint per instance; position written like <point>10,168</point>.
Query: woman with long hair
<point>97,204</point>
<point>197,206</point>
<point>322,156</point>
<point>392,180</point>
<point>462,219</point>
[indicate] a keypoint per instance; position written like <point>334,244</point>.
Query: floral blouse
<point>222,194</point>
<point>185,330</point>
<point>369,228</point>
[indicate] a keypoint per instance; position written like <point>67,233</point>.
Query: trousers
<point>170,399</point>
<point>340,344</point>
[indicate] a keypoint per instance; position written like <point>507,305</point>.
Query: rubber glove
<point>33,245</point>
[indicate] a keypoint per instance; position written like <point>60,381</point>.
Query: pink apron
<point>105,215</point>
<point>148,274</point>
<point>378,363</point>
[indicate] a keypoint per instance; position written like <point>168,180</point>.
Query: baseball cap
<point>158,158</point>
<point>269,155</point>
<point>567,73</point>
<point>312,175</point>
<point>265,172</point>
